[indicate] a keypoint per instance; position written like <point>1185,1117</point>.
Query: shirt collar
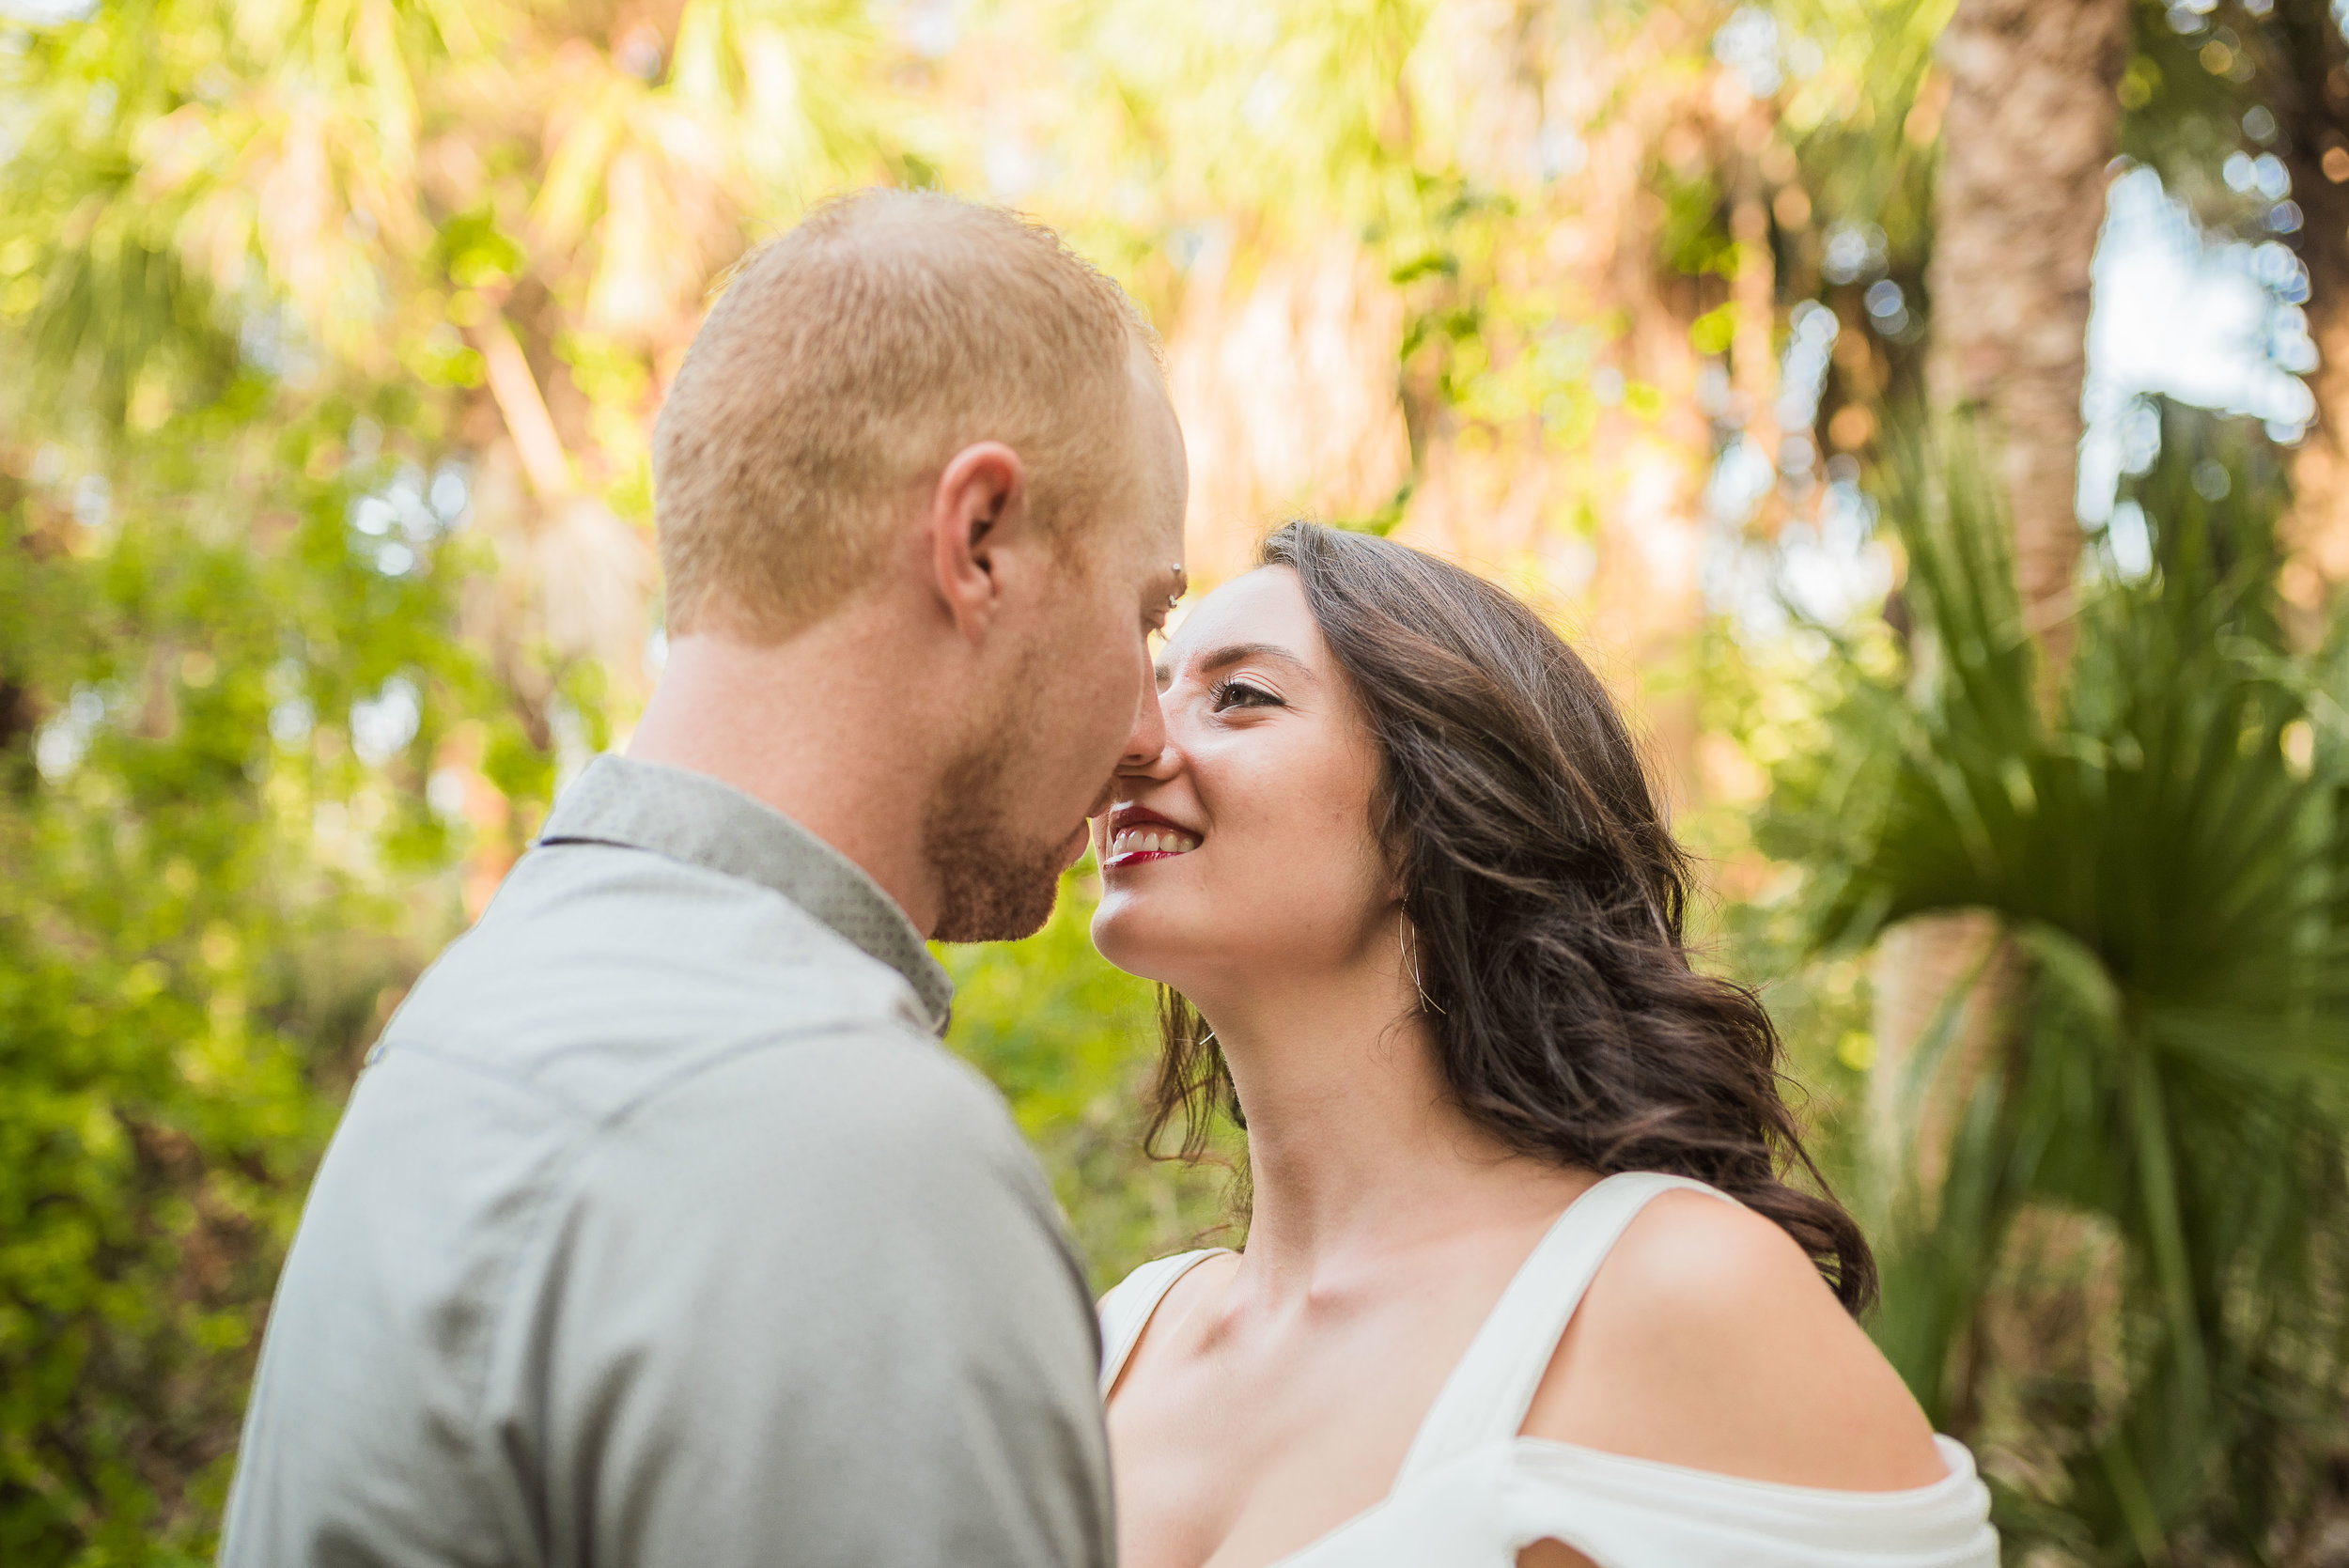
<point>692,817</point>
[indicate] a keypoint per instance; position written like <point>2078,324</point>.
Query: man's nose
<point>1145,744</point>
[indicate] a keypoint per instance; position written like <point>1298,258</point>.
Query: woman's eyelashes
<point>1232,693</point>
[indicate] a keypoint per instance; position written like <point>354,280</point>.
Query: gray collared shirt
<point>662,1231</point>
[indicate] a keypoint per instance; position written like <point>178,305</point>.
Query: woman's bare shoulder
<point>1199,1283</point>
<point>1709,1340</point>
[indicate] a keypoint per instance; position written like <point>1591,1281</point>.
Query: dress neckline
<point>1483,1400</point>
<point>1491,1388</point>
<point>1150,1284</point>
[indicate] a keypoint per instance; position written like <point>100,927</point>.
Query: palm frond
<point>2166,862</point>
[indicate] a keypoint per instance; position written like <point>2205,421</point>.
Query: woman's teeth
<point>1150,841</point>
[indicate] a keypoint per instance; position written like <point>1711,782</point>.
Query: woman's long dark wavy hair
<point>1547,897</point>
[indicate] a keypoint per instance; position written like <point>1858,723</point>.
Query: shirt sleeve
<point>812,1306</point>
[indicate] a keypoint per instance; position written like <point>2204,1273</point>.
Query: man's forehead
<point>1158,446</point>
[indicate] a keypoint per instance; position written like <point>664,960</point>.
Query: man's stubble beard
<point>993,885</point>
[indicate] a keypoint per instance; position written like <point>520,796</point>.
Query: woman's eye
<point>1238,694</point>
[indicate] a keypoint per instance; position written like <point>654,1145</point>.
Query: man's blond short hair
<point>845,364</point>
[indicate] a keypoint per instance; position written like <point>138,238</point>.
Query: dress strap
<point>1488,1395</point>
<point>1127,1309</point>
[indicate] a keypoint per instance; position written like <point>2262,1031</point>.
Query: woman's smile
<point>1137,834</point>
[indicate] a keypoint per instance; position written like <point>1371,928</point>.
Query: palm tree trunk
<point>2030,128</point>
<point>2312,106</point>
<point>2031,125</point>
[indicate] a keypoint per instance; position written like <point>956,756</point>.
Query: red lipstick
<point>1153,837</point>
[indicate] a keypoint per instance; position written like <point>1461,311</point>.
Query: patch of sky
<point>291,716</point>
<point>2209,322</point>
<point>1828,568</point>
<point>1558,151</point>
<point>1887,307</point>
<point>445,792</point>
<point>93,501</point>
<point>1714,396</point>
<point>48,13</point>
<point>1742,475</point>
<point>383,725</point>
<point>271,341</point>
<point>1750,44</point>
<point>568,729</point>
<point>2129,538</point>
<point>1802,374</point>
<point>928,28</point>
<point>2265,178</point>
<point>639,55</point>
<point>1193,244</point>
<point>1011,166</point>
<point>1854,251</point>
<point>451,495</point>
<point>1833,571</point>
<point>2217,325</point>
<point>1801,381</point>
<point>1266,98</point>
<point>397,523</point>
<point>64,740</point>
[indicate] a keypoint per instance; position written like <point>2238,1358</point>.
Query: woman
<point>1420,922</point>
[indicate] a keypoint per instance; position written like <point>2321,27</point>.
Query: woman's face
<point>1246,845</point>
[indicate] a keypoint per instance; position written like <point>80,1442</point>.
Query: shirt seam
<point>911,980</point>
<point>596,809</point>
<point>667,1081</point>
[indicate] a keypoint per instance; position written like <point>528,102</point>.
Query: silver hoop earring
<point>1410,949</point>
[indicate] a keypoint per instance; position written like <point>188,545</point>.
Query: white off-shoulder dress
<point>1473,1492</point>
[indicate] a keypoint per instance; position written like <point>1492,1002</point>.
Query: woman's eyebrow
<point>1231,653</point>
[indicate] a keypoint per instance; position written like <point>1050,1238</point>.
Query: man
<point>660,1230</point>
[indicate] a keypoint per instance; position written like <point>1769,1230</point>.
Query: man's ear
<point>982,496</point>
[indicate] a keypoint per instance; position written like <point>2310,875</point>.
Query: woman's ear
<point>982,494</point>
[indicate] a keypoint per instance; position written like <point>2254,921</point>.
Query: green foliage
<point>1062,1033</point>
<point>198,933</point>
<point>248,273</point>
<point>1851,121</point>
<point>2111,1261</point>
<point>2189,79</point>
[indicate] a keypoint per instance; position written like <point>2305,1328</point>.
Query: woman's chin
<point>1125,937</point>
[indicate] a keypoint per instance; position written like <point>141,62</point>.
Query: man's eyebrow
<point>1231,653</point>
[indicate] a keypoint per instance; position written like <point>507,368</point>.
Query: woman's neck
<point>1357,1150</point>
